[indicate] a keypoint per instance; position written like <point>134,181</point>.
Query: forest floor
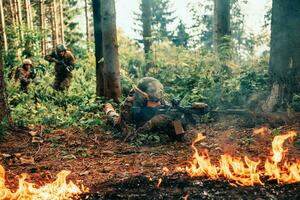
<point>113,169</point>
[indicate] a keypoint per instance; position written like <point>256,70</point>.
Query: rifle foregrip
<point>199,105</point>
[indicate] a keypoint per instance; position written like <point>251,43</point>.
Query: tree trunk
<point>98,47</point>
<point>12,11</point>
<point>284,66</point>
<point>2,27</point>
<point>28,43</point>
<point>221,24</point>
<point>54,26</point>
<point>19,19</point>
<point>28,14</point>
<point>62,27</point>
<point>87,24</point>
<point>4,110</point>
<point>147,39</point>
<point>42,26</point>
<point>112,89</point>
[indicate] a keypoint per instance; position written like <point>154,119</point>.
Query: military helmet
<point>27,62</point>
<point>152,88</point>
<point>60,48</point>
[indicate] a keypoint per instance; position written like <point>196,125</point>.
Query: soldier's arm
<point>21,76</point>
<point>70,60</point>
<point>51,57</point>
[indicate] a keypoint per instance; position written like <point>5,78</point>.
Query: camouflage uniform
<point>63,67</point>
<point>147,95</point>
<point>24,74</point>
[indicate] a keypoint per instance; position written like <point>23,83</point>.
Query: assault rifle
<point>184,114</point>
<point>67,67</point>
<point>179,115</point>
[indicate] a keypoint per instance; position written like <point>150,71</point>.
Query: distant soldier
<point>64,64</point>
<point>25,74</point>
<point>138,110</point>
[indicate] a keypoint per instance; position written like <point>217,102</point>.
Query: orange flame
<point>159,182</point>
<point>244,172</point>
<point>58,190</point>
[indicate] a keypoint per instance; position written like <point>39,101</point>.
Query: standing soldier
<point>64,64</point>
<point>24,74</point>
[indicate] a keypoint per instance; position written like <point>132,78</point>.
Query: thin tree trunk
<point>4,110</point>
<point>112,89</point>
<point>27,14</point>
<point>15,43</point>
<point>284,66</point>
<point>147,39</point>
<point>62,28</point>
<point>30,14</point>
<point>98,47</point>
<point>2,27</point>
<point>28,43</point>
<point>42,26</point>
<point>87,24</point>
<point>20,21</point>
<point>54,24</point>
<point>12,11</point>
<point>221,24</point>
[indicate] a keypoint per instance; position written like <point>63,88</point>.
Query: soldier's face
<point>62,53</point>
<point>26,67</point>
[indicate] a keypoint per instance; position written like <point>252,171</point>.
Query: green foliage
<point>73,35</point>
<point>162,18</point>
<point>147,139</point>
<point>202,15</point>
<point>181,38</point>
<point>204,78</point>
<point>187,74</point>
<point>43,105</point>
<point>295,104</point>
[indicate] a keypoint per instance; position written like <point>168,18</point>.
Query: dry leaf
<point>37,140</point>
<point>33,133</point>
<point>27,160</point>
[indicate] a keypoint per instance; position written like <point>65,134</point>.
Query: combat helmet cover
<point>27,62</point>
<point>152,87</point>
<point>60,48</point>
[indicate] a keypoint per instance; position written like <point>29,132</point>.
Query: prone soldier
<point>25,74</point>
<point>64,64</point>
<point>146,110</point>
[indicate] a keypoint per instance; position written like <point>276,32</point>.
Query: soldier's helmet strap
<point>140,92</point>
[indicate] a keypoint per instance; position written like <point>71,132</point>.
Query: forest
<point>190,106</point>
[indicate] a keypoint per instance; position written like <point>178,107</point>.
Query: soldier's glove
<point>69,68</point>
<point>33,74</point>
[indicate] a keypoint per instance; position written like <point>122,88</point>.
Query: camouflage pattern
<point>24,76</point>
<point>153,90</point>
<point>152,87</point>
<point>63,67</point>
<point>60,48</point>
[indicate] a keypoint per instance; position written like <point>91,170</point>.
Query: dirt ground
<point>116,170</point>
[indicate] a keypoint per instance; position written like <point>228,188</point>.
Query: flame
<point>159,182</point>
<point>57,190</point>
<point>186,197</point>
<point>244,172</point>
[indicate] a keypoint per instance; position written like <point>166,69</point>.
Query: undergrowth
<point>188,75</point>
